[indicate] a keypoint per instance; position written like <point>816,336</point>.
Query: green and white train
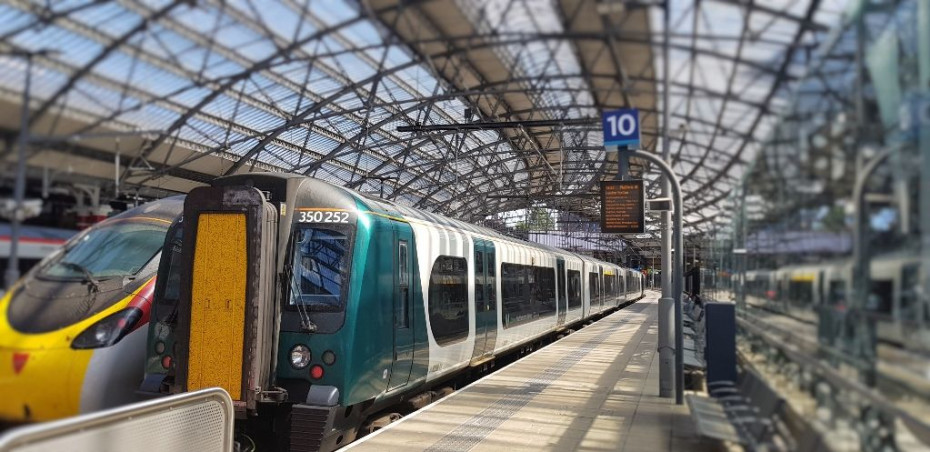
<point>319,308</point>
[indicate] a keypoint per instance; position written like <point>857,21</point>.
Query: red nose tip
<point>19,361</point>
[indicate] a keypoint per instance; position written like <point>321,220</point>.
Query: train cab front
<point>312,355</point>
<point>70,331</point>
<point>254,299</point>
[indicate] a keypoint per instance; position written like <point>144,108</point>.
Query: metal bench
<point>739,413</point>
<point>693,331</point>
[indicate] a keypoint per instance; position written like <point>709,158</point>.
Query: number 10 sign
<point>621,127</point>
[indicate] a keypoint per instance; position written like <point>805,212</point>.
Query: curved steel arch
<point>550,70</point>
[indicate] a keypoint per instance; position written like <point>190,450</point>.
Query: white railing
<point>199,421</point>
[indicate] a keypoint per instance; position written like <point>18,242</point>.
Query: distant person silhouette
<point>693,282</point>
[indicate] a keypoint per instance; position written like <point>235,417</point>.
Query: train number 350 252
<point>318,216</point>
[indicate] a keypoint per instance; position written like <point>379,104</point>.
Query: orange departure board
<point>623,207</point>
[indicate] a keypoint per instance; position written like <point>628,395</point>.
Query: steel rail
<point>834,377</point>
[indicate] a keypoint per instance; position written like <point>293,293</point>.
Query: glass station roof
<point>185,90</point>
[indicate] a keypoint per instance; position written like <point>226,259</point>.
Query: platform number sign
<point>621,127</point>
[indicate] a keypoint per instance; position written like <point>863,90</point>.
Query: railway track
<point>911,365</point>
<point>902,377</point>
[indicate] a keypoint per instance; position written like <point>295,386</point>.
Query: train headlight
<point>300,356</point>
<point>109,330</point>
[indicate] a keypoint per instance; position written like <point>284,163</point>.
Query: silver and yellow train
<point>893,301</point>
<point>72,330</point>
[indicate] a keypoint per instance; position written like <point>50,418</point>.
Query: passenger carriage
<point>804,291</point>
<point>327,307</point>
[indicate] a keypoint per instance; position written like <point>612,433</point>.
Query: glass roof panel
<point>321,87</point>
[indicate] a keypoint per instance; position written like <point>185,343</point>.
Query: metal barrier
<point>871,415</point>
<point>199,421</point>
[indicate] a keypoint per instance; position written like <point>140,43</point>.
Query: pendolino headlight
<point>300,356</point>
<point>109,330</point>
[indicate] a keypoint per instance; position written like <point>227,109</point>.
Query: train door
<point>403,323</point>
<point>585,291</point>
<point>627,290</point>
<point>820,296</point>
<point>619,293</point>
<point>592,289</point>
<point>226,300</point>
<point>485,299</point>
<point>909,315</point>
<point>562,290</point>
<point>594,277</point>
<point>632,288</point>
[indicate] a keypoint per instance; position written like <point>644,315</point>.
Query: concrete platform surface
<point>595,390</point>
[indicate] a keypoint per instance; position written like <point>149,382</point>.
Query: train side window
<point>448,299</point>
<point>592,287</point>
<point>574,289</point>
<point>545,291</point>
<point>909,281</point>
<point>527,292</point>
<point>166,305</point>
<point>837,293</point>
<point>402,314</point>
<point>491,280</point>
<point>402,270</point>
<point>800,292</point>
<point>479,276</point>
<point>514,304</point>
<point>820,295</point>
<point>529,284</point>
<point>880,297</point>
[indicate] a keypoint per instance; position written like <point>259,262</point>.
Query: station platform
<point>596,389</point>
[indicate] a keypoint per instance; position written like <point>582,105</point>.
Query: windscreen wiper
<point>87,273</point>
<point>306,325</point>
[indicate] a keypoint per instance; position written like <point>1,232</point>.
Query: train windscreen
<point>319,267</point>
<point>116,250</point>
<point>94,271</point>
<point>801,292</point>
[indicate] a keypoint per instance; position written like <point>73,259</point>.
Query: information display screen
<point>623,207</point>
